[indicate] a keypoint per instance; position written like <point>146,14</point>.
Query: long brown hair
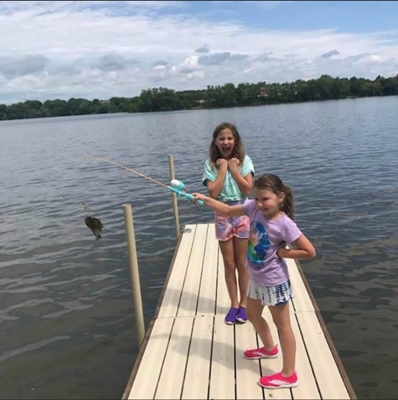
<point>275,184</point>
<point>238,151</point>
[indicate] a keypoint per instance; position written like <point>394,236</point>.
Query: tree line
<point>220,96</point>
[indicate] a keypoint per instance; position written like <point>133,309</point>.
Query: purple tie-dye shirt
<point>265,238</point>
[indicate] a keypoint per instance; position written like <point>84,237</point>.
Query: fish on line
<point>94,224</point>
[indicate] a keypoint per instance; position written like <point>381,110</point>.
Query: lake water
<point>66,318</point>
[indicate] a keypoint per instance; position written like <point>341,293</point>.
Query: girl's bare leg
<point>227,251</point>
<point>254,312</point>
<point>240,250</point>
<point>281,318</point>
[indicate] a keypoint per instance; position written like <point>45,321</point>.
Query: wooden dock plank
<point>145,384</point>
<point>223,300</point>
<point>302,302</point>
<point>198,368</point>
<point>247,371</point>
<point>321,358</point>
<point>222,376</point>
<point>189,298</point>
<point>208,286</point>
<point>172,375</point>
<point>172,296</point>
<point>189,352</point>
<point>273,365</point>
<point>303,366</point>
<point>326,371</point>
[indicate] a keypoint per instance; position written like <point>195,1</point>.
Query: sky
<point>102,49</point>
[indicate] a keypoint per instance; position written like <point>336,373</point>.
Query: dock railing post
<point>134,274</point>
<point>175,203</point>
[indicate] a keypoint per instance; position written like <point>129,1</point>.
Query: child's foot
<point>278,381</point>
<point>255,354</point>
<point>241,315</point>
<point>230,318</point>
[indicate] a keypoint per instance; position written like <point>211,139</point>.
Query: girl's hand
<point>198,196</point>
<point>233,163</point>
<point>222,164</point>
<point>303,249</point>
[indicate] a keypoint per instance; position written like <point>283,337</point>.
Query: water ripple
<point>72,293</point>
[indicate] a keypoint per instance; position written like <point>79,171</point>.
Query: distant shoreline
<point>214,97</point>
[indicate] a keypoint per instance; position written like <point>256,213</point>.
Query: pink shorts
<point>228,227</point>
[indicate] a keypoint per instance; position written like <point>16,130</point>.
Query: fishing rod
<point>175,186</point>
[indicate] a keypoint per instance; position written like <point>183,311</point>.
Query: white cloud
<point>103,49</point>
<point>375,57</point>
<point>190,64</point>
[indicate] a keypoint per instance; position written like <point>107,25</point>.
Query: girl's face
<point>268,202</point>
<point>225,143</point>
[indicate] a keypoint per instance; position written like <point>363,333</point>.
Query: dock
<point>188,352</point>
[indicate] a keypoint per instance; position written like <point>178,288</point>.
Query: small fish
<point>95,225</point>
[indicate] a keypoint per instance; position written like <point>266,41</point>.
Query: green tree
<point>3,112</point>
<point>227,95</point>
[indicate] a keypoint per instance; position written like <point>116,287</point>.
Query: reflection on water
<point>66,317</point>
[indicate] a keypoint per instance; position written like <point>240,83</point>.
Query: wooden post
<point>134,274</point>
<point>175,203</point>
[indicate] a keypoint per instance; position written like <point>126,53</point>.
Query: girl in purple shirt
<point>272,227</point>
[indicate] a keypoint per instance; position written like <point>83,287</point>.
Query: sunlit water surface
<point>66,318</point>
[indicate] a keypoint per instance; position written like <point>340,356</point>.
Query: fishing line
<point>128,169</point>
<point>175,186</point>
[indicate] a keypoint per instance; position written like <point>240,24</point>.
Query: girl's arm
<point>215,187</point>
<point>219,206</point>
<point>245,183</point>
<point>304,250</point>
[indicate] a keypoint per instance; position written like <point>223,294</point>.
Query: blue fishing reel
<point>178,188</point>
